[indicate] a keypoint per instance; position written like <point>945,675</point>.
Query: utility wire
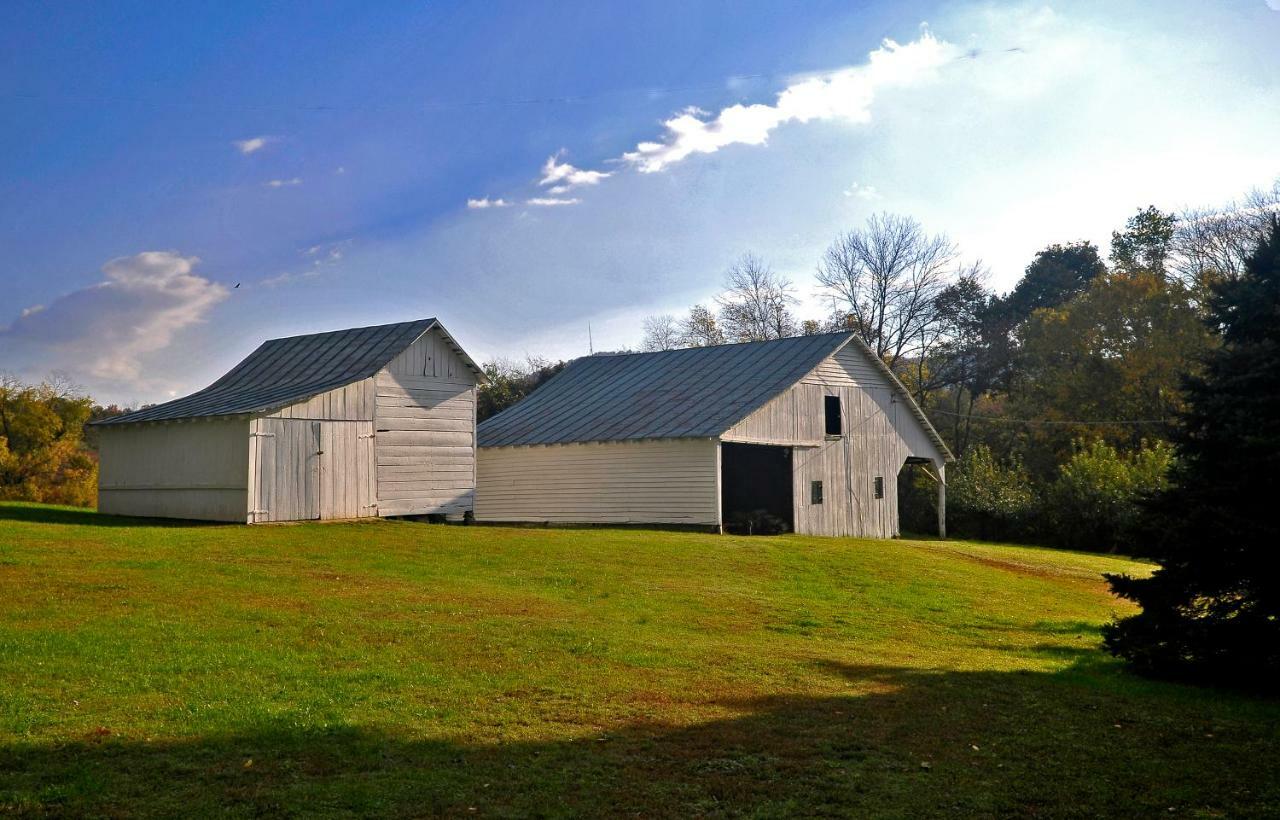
<point>1002,419</point>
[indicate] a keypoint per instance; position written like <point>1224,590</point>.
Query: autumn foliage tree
<point>42,452</point>
<point>1117,352</point>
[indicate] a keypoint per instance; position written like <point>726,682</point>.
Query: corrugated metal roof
<point>693,393</point>
<point>284,371</point>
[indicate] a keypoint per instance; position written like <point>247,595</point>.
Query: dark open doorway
<point>755,488</point>
<point>918,498</point>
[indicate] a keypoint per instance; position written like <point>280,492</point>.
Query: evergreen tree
<point>1211,612</point>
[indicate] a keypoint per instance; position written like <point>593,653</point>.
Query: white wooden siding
<point>880,432</point>
<point>191,469</point>
<point>425,416</point>
<point>352,402</point>
<point>654,481</point>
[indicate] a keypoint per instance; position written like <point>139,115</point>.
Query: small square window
<point>878,484</point>
<point>815,492</point>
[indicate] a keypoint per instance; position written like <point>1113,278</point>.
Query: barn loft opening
<point>835,424</point>
<point>755,488</point>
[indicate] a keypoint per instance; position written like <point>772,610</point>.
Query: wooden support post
<point>942,500</point>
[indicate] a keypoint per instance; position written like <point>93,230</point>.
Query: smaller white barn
<point>372,421</point>
<point>813,430</point>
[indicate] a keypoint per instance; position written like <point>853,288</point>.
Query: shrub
<point>1095,502</point>
<point>988,497</point>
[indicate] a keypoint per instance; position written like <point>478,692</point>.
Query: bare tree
<point>700,328</point>
<point>756,303</point>
<point>886,278</point>
<point>662,332</point>
<point>1210,243</point>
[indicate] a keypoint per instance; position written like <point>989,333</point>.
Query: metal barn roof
<point>284,371</point>
<point>693,393</point>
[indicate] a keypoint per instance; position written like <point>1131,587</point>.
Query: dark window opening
<point>815,492</point>
<point>835,426</point>
<point>879,486</point>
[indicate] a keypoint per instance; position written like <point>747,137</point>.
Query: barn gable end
<point>795,416</point>
<point>424,417</point>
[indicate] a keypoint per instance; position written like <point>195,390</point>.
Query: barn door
<point>347,469</point>
<point>287,456</point>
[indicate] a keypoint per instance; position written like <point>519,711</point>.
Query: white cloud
<point>845,95</point>
<point>545,201</point>
<point>857,189</point>
<point>565,176</point>
<point>283,183</point>
<point>486,202</point>
<point>106,329</point>
<point>252,144</point>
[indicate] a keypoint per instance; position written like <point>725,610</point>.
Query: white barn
<point>373,421</point>
<point>813,429</point>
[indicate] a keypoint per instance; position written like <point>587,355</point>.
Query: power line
<point>1048,422</point>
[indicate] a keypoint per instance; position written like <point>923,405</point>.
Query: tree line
<point>1059,397</point>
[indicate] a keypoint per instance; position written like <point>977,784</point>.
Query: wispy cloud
<point>564,176</point>
<point>290,277</point>
<point>845,94</point>
<point>283,183</point>
<point>857,189</point>
<point>106,329</point>
<point>322,256</point>
<point>252,144</point>
<point>327,253</point>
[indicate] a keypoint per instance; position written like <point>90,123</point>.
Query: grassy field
<point>404,668</point>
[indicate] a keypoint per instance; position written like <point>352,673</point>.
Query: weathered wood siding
<point>880,432</point>
<point>352,402</point>
<point>847,467</point>
<point>425,420</point>
<point>303,469</point>
<point>673,481</point>
<point>192,469</point>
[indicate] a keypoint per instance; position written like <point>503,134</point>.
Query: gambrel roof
<point>283,371</point>
<point>696,392</point>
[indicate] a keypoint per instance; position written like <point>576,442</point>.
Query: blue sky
<point>330,158</point>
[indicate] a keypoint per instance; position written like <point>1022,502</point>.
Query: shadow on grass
<point>72,516</point>
<point>1083,742</point>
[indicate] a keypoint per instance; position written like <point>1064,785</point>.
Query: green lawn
<point>405,668</point>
